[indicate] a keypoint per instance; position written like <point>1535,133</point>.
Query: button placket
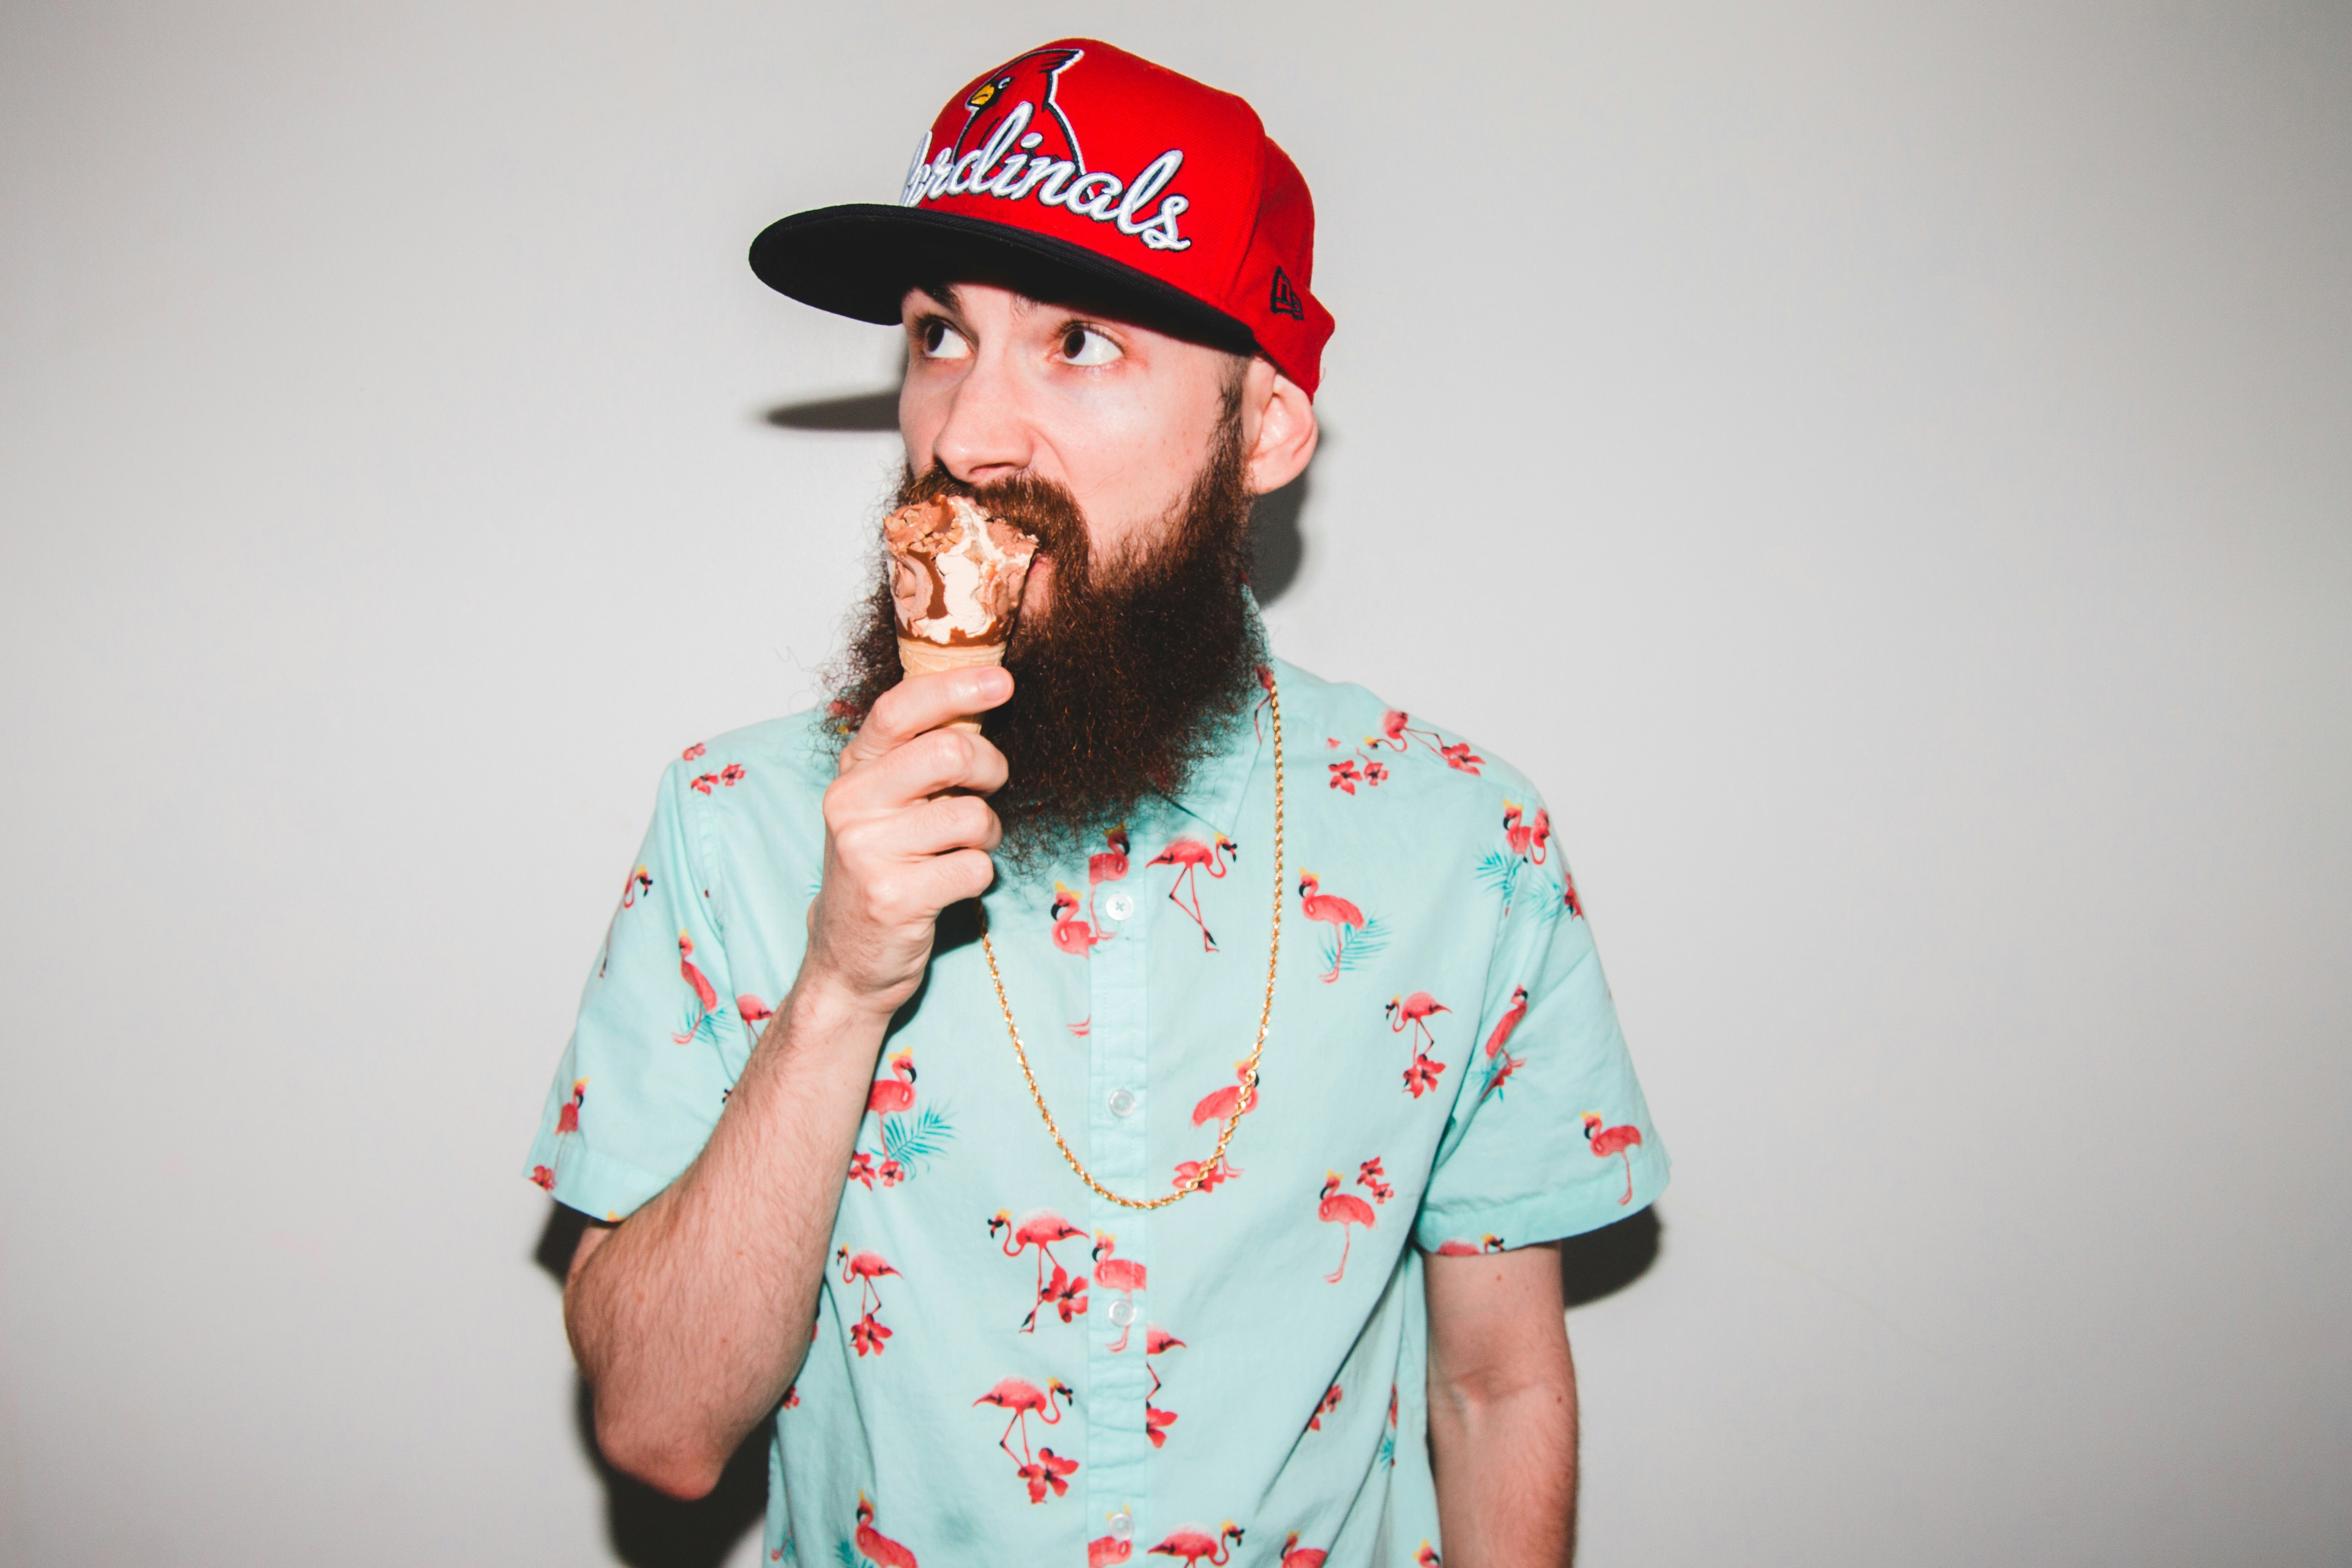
<point>1119,1470</point>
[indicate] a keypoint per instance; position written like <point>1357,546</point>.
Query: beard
<point>1122,687</point>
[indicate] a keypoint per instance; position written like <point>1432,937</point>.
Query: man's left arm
<point>1502,1409</point>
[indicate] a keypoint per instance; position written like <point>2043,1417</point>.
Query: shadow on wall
<point>1277,547</point>
<point>1602,1262</point>
<point>646,1529</point>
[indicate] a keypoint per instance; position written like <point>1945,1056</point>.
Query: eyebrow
<point>948,295</point>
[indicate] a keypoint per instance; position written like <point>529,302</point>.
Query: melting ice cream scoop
<point>956,577</point>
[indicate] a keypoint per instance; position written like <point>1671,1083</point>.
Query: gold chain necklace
<point>1248,1097</point>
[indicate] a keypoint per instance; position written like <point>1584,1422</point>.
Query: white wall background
<point>1896,466</point>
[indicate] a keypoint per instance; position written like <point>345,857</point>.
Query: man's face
<point>1121,417</point>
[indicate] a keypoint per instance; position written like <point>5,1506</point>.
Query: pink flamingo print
<point>1123,1275</point>
<point>544,1177</point>
<point>752,1011</point>
<point>1414,1012</point>
<point>1332,911</point>
<point>1296,1556</point>
<point>1021,1397</point>
<point>1508,1022</point>
<point>1575,904</point>
<point>1198,1546</point>
<point>1190,855</point>
<point>1156,1421</point>
<point>704,992</point>
<point>1039,1229</point>
<point>1071,935</point>
<point>1346,1211</point>
<point>1396,726</point>
<point>1530,839</point>
<point>1427,1557</point>
<point>640,881</point>
<point>1460,1249</point>
<point>878,1548</point>
<point>568,1119</point>
<point>1105,865</point>
<point>866,1268</point>
<point>1266,682</point>
<point>1617,1140</point>
<point>894,1094</point>
<point>1220,1103</point>
<point>1104,1550</point>
<point>691,752</point>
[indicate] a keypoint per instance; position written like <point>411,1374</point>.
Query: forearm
<point>1502,1410</point>
<point>691,1318</point>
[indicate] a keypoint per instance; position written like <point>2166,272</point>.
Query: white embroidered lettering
<point>997,170</point>
<point>1147,184</point>
<point>1159,234</point>
<point>1054,173</point>
<point>1096,206</point>
<point>1001,185</point>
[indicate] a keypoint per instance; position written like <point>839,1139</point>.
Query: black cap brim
<point>860,259</point>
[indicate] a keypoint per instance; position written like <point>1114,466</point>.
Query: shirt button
<point>1122,1524</point>
<point>1118,906</point>
<point>1122,1311</point>
<point>1122,1103</point>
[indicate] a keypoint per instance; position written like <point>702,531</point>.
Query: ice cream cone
<point>917,656</point>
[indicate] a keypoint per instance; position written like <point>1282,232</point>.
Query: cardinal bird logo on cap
<point>1027,80</point>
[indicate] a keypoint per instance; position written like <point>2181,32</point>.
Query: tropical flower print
<point>1350,939</point>
<point>1397,731</point>
<point>868,1270</point>
<point>1411,1015</point>
<point>1043,1229</point>
<point>1330,1402</point>
<point>1041,1470</point>
<point>1156,1421</point>
<point>998,1295</point>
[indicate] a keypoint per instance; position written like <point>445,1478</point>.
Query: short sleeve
<point>1549,1135</point>
<point>657,1045</point>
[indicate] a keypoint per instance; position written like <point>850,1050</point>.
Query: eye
<point>940,340</point>
<point>1084,345</point>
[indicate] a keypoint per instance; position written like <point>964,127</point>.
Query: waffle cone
<point>917,656</point>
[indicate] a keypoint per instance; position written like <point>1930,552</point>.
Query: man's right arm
<point>690,1317</point>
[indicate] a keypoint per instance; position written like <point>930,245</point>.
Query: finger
<point>922,702</point>
<point>930,764</point>
<point>947,823</point>
<point>955,877</point>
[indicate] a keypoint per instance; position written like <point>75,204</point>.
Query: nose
<point>986,434</point>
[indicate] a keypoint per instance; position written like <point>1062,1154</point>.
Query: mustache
<point>1038,507</point>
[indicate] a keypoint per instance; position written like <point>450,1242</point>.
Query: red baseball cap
<point>1080,172</point>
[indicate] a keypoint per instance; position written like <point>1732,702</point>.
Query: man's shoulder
<point>777,761</point>
<point>1369,747</point>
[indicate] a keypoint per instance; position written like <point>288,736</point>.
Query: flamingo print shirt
<point>1007,1368</point>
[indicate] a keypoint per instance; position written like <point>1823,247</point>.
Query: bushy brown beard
<point>1121,687</point>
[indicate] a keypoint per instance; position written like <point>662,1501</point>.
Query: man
<point>1138,1128</point>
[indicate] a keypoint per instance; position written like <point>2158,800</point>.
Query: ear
<point>1279,428</point>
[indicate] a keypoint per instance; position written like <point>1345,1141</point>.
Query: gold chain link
<point>1248,1097</point>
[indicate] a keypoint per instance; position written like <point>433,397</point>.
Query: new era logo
<point>1284,299</point>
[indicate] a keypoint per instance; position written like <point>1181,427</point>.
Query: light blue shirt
<point>1008,1368</point>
